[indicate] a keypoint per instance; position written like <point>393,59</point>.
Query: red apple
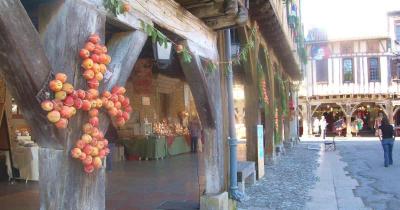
<point>88,74</point>
<point>108,61</point>
<point>98,49</point>
<point>94,142</point>
<point>87,63</point>
<point>81,94</point>
<point>86,138</point>
<point>47,105</point>
<point>62,123</point>
<point>83,156</point>
<point>74,94</point>
<point>105,141</point>
<point>89,46</point>
<point>104,101</point>
<point>107,94</point>
<point>78,103</point>
<point>93,83</point>
<point>87,128</point>
<point>84,53</point>
<point>60,95</point>
<point>99,76</point>
<point>102,153</point>
<point>114,98</point>
<point>65,112</point>
<point>103,68</point>
<point>88,149</point>
<point>99,103</point>
<point>96,68</point>
<point>61,77</point>
<point>103,58</point>
<point>69,101</point>
<point>109,105</point>
<point>95,58</point>
<point>73,111</point>
<point>119,113</point>
<point>122,90</point>
<point>95,151</point>
<point>86,105</point>
<point>68,88</point>
<point>126,102</point>
<point>104,49</point>
<point>117,105</point>
<point>126,116</point>
<point>97,162</point>
<point>95,132</point>
<point>93,92</point>
<point>100,144</point>
<point>126,7</point>
<point>54,116</point>
<point>94,38</point>
<point>115,89</point>
<point>55,85</point>
<point>89,168</point>
<point>120,121</point>
<point>76,152</point>
<point>113,111</point>
<point>88,160</point>
<point>93,112</point>
<point>80,144</point>
<point>93,104</point>
<point>94,121</point>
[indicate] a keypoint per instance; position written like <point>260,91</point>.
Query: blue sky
<point>348,18</point>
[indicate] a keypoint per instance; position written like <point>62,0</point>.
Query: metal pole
<point>233,188</point>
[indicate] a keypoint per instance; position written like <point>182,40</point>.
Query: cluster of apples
<point>62,107</point>
<point>92,147</point>
<point>117,105</point>
<point>264,91</point>
<point>95,59</point>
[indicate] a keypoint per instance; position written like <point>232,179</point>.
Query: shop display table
<point>156,147</point>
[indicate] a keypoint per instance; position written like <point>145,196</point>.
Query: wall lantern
<point>162,54</point>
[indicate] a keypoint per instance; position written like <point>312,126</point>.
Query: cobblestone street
<point>286,184</point>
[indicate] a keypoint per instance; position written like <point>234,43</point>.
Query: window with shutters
<point>348,74</point>
<point>374,70</point>
<point>322,70</point>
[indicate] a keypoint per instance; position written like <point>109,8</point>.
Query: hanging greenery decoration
<point>116,7</point>
<point>157,36</point>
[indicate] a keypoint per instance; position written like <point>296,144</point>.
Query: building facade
<point>350,79</point>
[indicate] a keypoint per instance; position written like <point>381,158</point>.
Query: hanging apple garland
<point>92,147</point>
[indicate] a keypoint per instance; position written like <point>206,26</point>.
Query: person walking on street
<point>322,124</point>
<point>195,132</point>
<point>386,136</point>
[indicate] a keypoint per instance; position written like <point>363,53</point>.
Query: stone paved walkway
<point>286,184</point>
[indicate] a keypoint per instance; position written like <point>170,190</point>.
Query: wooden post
<point>64,28</point>
<point>206,91</point>
<point>252,109</point>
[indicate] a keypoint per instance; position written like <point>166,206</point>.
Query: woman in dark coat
<point>386,135</point>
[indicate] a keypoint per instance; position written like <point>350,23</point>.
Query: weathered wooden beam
<point>206,90</point>
<point>25,67</point>
<point>168,15</point>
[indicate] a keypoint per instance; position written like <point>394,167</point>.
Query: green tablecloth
<point>155,147</point>
<point>179,146</point>
<point>151,148</point>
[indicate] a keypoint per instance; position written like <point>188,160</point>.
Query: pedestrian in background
<point>195,132</point>
<point>323,124</point>
<point>386,136</point>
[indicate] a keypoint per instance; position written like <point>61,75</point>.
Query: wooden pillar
<point>252,109</point>
<point>348,125</point>
<point>206,90</point>
<point>389,111</point>
<point>64,28</point>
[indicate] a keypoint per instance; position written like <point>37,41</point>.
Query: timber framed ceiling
<point>213,13</point>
